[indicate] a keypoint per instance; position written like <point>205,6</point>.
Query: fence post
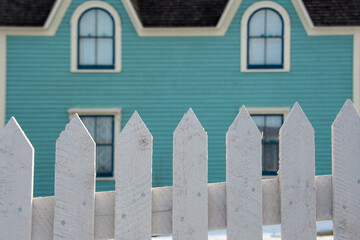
<point>243,179</point>
<point>74,183</point>
<point>346,173</point>
<point>16,182</point>
<point>133,181</point>
<point>297,177</point>
<point>190,176</point>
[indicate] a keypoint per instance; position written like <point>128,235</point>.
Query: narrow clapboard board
<point>74,183</point>
<point>243,179</point>
<point>190,168</point>
<point>297,177</point>
<point>346,173</point>
<point>133,181</point>
<point>16,183</point>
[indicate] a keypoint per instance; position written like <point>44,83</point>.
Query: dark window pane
<point>101,129</point>
<point>271,157</point>
<point>273,124</point>
<point>260,122</point>
<point>89,123</point>
<point>104,130</point>
<point>103,159</point>
<point>269,125</point>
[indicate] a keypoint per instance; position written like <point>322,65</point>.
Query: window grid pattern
<point>265,36</point>
<point>103,134</point>
<point>96,37</point>
<point>269,125</point>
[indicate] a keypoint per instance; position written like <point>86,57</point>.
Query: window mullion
<point>96,38</point>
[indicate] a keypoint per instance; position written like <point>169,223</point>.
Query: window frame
<point>98,112</point>
<point>265,37</point>
<point>244,66</point>
<point>269,111</point>
<point>95,66</point>
<point>78,13</point>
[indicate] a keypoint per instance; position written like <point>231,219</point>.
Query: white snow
<point>269,232</point>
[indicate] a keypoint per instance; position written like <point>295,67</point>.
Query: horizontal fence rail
<point>296,199</point>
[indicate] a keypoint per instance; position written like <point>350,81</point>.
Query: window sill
<point>266,70</point>
<point>105,179</point>
<point>96,70</point>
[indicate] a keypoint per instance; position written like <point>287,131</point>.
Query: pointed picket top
<point>244,121</point>
<point>348,111</point>
<point>13,127</point>
<point>189,121</point>
<point>297,177</point>
<point>295,117</point>
<point>135,122</point>
<point>76,126</point>
<point>75,173</point>
<point>16,178</point>
<point>133,162</point>
<point>243,179</point>
<point>346,168</point>
<point>190,176</point>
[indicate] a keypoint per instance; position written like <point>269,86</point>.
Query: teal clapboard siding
<point>162,77</point>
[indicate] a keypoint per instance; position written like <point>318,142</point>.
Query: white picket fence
<point>296,199</point>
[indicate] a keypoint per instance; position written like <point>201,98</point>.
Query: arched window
<point>96,40</point>
<point>265,40</point>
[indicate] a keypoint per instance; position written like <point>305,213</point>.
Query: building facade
<point>106,59</point>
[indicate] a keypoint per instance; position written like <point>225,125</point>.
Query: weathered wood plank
<point>297,177</point>
<point>16,182</point>
<point>190,175</point>
<point>346,173</point>
<point>74,183</point>
<point>243,179</point>
<point>133,181</point>
<point>43,211</point>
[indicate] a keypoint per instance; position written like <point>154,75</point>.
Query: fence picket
<point>297,177</point>
<point>16,182</point>
<point>74,183</point>
<point>243,179</point>
<point>190,168</point>
<point>133,181</point>
<point>346,169</point>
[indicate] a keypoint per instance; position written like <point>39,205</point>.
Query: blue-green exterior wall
<point>162,77</point>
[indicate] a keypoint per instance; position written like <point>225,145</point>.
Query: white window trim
<point>269,110</point>
<point>74,36</point>
<point>116,112</point>
<point>244,35</point>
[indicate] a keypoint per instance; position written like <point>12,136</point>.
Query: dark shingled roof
<point>334,12</point>
<point>179,13</point>
<point>24,12</point>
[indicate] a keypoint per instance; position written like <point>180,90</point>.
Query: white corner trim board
<point>219,30</point>
<point>2,79</point>
<point>74,35</point>
<point>244,35</point>
<point>312,30</point>
<point>49,29</point>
